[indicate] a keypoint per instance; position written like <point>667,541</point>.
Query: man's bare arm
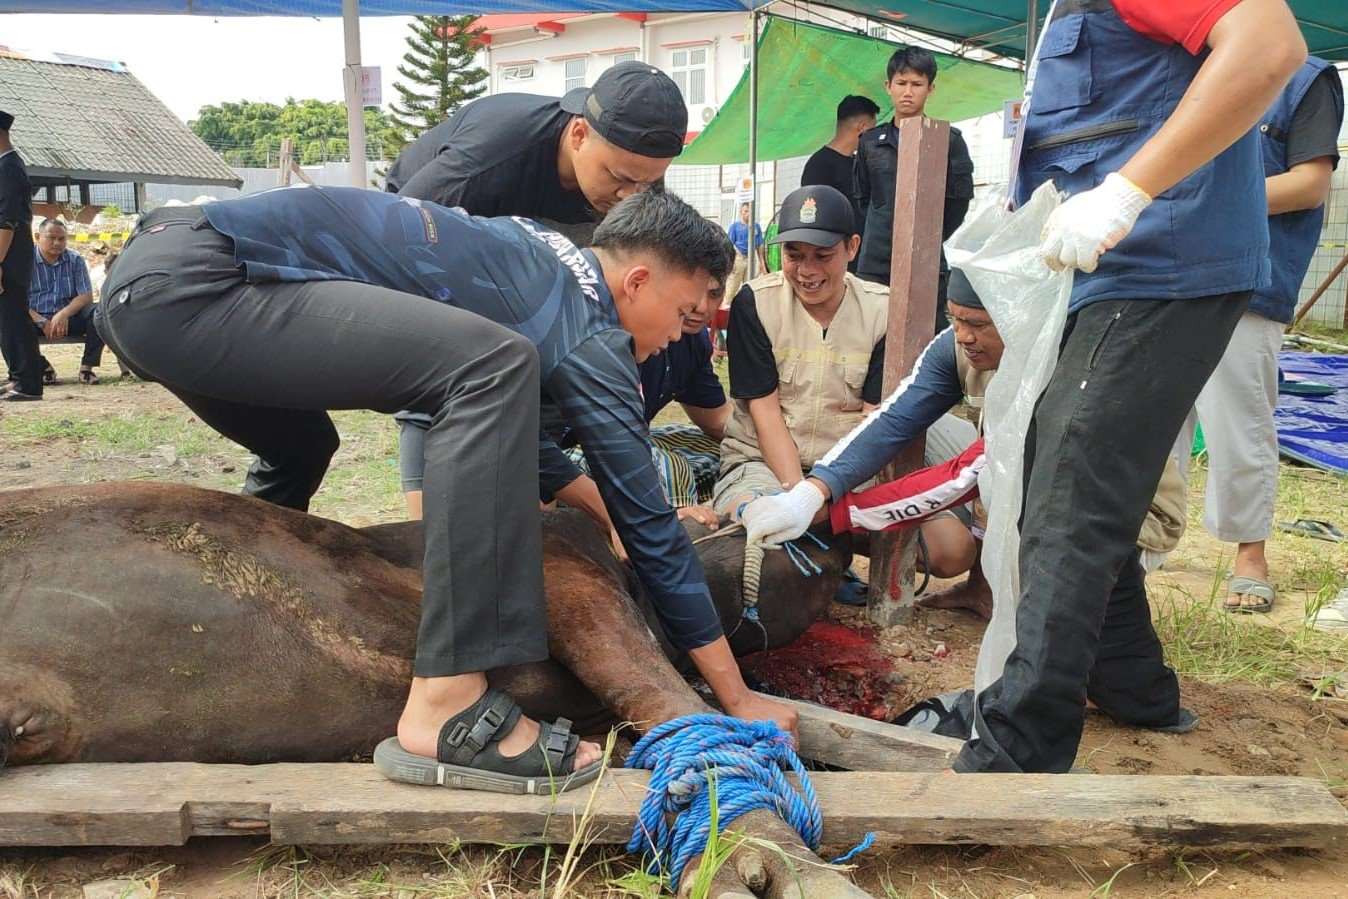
<point>1256,48</point>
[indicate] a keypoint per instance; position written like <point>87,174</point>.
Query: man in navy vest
<point>1142,114</point>
<point>1299,139</point>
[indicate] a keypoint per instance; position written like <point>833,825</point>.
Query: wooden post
<point>919,208</point>
<point>1319,292</point>
<point>287,148</point>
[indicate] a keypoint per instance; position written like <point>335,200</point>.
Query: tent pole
<point>753,140</point>
<point>1031,27</point>
<point>355,113</point>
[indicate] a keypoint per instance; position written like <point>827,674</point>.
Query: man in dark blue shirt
<point>264,312</point>
<point>686,459</point>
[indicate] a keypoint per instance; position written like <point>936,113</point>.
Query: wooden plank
<point>862,744</point>
<point>919,210</point>
<point>164,804</point>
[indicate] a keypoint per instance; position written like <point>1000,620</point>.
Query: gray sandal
<point>468,754</point>
<point>1242,586</point>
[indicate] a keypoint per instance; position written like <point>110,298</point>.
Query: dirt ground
<point>1272,695</point>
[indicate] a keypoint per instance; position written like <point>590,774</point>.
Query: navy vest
<point>1292,236</point>
<point>1100,92</point>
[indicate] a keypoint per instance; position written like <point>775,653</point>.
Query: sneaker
<point>1333,615</point>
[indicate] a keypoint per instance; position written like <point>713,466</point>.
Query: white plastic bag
<point>999,252</point>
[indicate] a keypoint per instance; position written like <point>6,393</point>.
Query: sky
<point>191,61</point>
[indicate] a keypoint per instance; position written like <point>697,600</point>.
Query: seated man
<point>61,299</point>
<point>807,351</point>
<point>264,312</point>
<point>686,458</point>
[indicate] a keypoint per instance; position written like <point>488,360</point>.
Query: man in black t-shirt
<point>831,164</point>
<point>17,338</point>
<point>567,160</point>
<point>1299,142</point>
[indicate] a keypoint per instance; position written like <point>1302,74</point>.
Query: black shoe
<point>18,396</point>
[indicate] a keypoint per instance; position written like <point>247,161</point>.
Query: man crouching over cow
<point>265,312</point>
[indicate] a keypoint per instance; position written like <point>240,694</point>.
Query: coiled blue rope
<point>749,760</point>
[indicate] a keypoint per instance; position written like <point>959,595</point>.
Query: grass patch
<point>115,433</point>
<point>1204,642</point>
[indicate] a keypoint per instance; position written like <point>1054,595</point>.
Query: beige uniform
<point>819,380</point>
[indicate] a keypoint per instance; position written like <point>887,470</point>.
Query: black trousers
<point>82,325</point>
<point>1128,373</point>
<point>18,342</point>
<point>262,364</point>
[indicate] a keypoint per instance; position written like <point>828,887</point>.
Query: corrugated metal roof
<point>88,120</point>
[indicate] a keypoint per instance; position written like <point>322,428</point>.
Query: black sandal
<point>49,376</point>
<point>468,754</point>
<point>88,377</point>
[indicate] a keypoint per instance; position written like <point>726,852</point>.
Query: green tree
<point>440,73</point>
<point>247,133</point>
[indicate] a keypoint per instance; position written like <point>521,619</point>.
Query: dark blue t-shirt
<point>683,374</point>
<point>531,280</point>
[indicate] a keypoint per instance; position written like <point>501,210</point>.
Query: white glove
<point>773,520</point>
<point>1090,223</point>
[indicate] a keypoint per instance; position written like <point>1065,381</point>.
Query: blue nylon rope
<point>749,759</point>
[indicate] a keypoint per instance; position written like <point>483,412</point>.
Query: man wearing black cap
<point>566,160</point>
<point>1131,681</point>
<point>563,161</point>
<point>18,341</point>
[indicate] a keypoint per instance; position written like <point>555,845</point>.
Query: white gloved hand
<point>1090,223</point>
<point>773,520</point>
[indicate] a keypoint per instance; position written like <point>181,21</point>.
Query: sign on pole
<point>371,86</point>
<point>744,190</point>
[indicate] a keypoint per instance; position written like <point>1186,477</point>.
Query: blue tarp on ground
<point>1314,430</point>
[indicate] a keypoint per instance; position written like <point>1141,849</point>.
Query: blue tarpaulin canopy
<point>998,25</point>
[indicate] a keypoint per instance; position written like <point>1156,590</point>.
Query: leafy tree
<point>440,73</point>
<point>248,133</point>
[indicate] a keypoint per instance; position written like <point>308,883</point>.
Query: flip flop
<point>1242,587</point>
<point>1333,615</point>
<point>1313,527</point>
<point>468,754</point>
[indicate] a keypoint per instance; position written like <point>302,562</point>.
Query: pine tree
<point>439,69</point>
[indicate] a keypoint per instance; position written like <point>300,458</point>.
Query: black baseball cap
<point>960,292</point>
<point>635,106</point>
<point>817,214</point>
<point>6,119</point>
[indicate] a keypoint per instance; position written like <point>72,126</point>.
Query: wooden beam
<point>862,744</point>
<point>919,209</point>
<point>166,803</point>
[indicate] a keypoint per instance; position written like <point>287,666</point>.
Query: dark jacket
<point>875,173</point>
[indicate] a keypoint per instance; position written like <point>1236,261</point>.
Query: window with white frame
<point>522,71</point>
<point>625,56</point>
<point>688,68</point>
<point>573,73</point>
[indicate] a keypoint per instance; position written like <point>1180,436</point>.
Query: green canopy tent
<point>806,69</point>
